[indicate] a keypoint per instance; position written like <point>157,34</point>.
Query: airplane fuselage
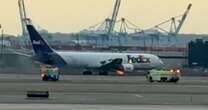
<point>97,59</point>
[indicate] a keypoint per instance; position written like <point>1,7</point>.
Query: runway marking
<point>138,96</point>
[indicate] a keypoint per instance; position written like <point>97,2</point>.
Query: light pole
<point>1,56</point>
<point>2,39</point>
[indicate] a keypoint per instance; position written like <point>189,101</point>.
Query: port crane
<point>183,19</point>
<point>175,23</point>
<point>107,27</point>
<point>114,17</point>
<point>23,16</point>
<point>127,26</point>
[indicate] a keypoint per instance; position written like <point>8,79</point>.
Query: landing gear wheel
<point>87,73</point>
<point>103,73</point>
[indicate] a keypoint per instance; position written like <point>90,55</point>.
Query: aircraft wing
<point>23,54</point>
<point>115,64</point>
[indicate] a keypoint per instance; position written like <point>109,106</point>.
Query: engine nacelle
<point>128,67</point>
<point>124,68</point>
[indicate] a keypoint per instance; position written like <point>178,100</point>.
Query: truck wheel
<point>55,79</point>
<point>176,80</point>
<point>150,79</point>
<point>163,79</point>
<point>44,78</point>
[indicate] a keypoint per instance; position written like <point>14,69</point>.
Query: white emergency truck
<point>164,75</point>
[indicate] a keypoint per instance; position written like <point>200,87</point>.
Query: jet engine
<point>128,67</point>
<point>124,68</point>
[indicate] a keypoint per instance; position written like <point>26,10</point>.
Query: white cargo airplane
<point>89,62</point>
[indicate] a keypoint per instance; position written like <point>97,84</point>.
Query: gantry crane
<point>174,28</point>
<point>23,16</point>
<point>114,16</point>
<point>183,19</point>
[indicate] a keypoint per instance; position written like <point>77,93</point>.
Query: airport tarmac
<point>96,107</point>
<point>104,90</point>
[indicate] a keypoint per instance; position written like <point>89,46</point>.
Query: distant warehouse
<point>198,53</point>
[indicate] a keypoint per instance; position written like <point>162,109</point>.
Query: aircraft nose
<point>158,62</point>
